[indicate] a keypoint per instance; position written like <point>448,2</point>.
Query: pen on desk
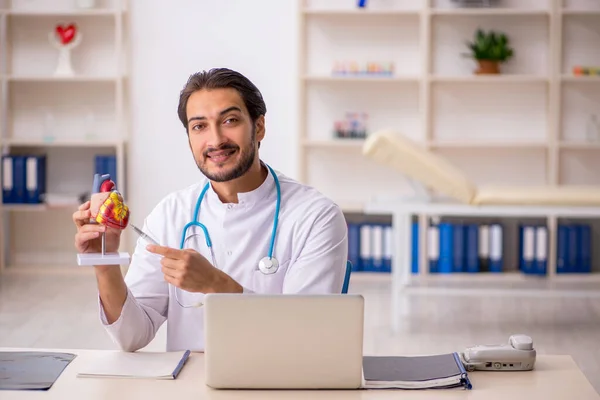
<point>143,234</point>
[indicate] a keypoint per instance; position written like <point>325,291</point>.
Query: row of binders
<point>370,247</point>
<point>472,248</point>
<point>24,177</point>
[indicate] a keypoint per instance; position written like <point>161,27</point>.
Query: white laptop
<point>274,341</point>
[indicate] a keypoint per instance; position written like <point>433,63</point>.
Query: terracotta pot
<point>488,67</point>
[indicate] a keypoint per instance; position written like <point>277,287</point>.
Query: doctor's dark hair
<point>220,78</point>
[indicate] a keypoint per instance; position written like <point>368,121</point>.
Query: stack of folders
<point>441,371</point>
<point>456,247</point>
<point>574,250</point>
<point>370,247</point>
<point>23,179</point>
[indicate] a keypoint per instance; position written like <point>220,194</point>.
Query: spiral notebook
<point>441,371</point>
<point>136,365</point>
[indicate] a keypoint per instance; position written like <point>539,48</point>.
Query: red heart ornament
<point>66,33</point>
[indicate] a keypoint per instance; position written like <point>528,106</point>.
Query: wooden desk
<point>555,377</point>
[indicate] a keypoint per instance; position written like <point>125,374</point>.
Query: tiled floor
<point>59,310</point>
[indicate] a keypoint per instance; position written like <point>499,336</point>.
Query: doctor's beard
<point>243,165</point>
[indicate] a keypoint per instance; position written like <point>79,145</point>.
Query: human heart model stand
<point>65,38</point>
<point>107,208</point>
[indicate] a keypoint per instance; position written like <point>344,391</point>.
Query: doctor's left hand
<point>191,271</point>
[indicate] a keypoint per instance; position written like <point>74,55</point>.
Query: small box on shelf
<point>580,70</point>
<point>371,68</point>
<point>353,127</point>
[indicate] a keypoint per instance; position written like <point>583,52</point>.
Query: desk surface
<point>554,377</point>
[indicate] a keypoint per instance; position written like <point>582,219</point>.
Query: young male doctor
<point>266,233</point>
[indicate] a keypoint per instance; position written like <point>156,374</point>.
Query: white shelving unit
<point>69,119</point>
<point>525,126</point>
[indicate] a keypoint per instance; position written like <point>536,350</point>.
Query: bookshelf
<point>69,119</point>
<point>525,126</point>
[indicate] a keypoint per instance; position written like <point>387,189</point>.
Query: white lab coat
<point>311,245</point>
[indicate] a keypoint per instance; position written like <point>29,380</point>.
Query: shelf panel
<point>471,113</point>
<point>579,168</point>
<point>360,12</point>
<point>335,143</point>
<point>579,33</point>
<point>580,79</point>
<point>567,12</point>
<point>366,78</point>
<point>488,145</point>
<point>490,11</point>
<point>389,38</point>
<point>383,106</point>
<point>578,104</point>
<point>524,6</point>
<point>500,78</point>
<point>579,146</point>
<point>528,36</point>
<point>62,13</point>
<point>28,142</point>
<point>52,78</point>
<point>31,55</point>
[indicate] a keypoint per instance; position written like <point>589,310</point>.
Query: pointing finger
<point>164,251</point>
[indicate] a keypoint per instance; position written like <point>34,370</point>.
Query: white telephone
<point>517,355</point>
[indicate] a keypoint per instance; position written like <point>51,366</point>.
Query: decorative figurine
<point>107,208</point>
<point>65,39</point>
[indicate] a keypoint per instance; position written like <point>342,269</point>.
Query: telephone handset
<point>517,355</point>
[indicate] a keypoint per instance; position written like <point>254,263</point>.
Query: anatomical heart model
<point>107,204</point>
<point>107,208</point>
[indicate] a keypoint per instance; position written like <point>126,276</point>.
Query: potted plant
<point>490,49</point>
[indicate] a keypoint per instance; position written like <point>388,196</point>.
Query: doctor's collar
<point>248,199</point>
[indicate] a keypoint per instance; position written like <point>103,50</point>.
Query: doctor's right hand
<point>88,238</point>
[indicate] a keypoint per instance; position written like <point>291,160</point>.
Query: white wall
<point>169,43</point>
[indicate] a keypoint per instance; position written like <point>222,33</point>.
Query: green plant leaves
<point>492,46</point>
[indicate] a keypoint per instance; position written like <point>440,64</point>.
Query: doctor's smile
<point>287,238</point>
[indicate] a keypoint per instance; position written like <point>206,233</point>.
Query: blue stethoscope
<point>267,265</point>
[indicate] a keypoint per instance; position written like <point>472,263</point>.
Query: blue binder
<point>433,248</point>
<point>446,260</point>
<point>36,179</point>
<point>7,180</point>
<point>527,245</point>
<point>496,248</point>
<point>388,241</point>
<point>415,248</point>
<point>377,242</point>
<point>472,248</point>
<point>541,250</point>
<point>366,248</point>
<point>562,249</point>
<point>573,244</point>
<point>19,179</point>
<point>107,164</point>
<point>354,246</point>
<point>584,252</point>
<point>459,244</point>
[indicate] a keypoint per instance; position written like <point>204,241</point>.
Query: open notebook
<point>418,372</point>
<point>137,365</point>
